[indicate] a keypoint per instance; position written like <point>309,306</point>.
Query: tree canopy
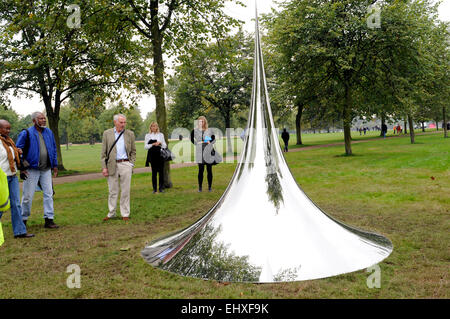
<point>42,52</point>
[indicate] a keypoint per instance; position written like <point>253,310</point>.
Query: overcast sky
<point>147,103</point>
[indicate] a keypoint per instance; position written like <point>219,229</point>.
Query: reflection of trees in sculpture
<point>272,179</point>
<point>203,257</point>
<point>274,189</point>
<point>288,274</point>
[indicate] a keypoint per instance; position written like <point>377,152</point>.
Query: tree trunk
<point>411,129</point>
<point>346,117</point>
<point>53,121</point>
<point>404,125</point>
<point>444,123</point>
<point>437,124</point>
<point>383,121</point>
<point>228,133</point>
<point>298,123</point>
<point>423,126</point>
<point>158,70</point>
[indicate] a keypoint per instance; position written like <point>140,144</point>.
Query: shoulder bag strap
<point>112,146</point>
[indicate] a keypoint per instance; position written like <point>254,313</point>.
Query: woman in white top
<point>154,141</point>
<point>9,161</point>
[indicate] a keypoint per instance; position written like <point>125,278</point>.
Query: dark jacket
<point>32,155</point>
<point>285,136</point>
<point>199,136</point>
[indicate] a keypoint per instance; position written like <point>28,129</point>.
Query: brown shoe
<point>106,218</point>
<point>26,235</point>
<point>50,224</point>
<point>125,218</point>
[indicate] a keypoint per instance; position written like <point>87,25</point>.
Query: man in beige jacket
<point>118,160</point>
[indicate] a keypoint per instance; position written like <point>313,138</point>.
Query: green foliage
<point>40,52</point>
<point>151,117</point>
<point>214,79</point>
<point>178,26</point>
<point>134,119</point>
<point>330,64</point>
<point>13,118</point>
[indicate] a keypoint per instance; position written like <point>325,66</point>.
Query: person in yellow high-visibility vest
<point>4,199</point>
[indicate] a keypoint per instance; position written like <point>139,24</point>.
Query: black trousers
<point>157,164</point>
<point>201,169</point>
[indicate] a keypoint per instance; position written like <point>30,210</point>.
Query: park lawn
<point>387,187</point>
<point>83,158</point>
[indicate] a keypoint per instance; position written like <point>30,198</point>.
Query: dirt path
<point>91,176</point>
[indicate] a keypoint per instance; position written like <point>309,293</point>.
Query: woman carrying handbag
<point>154,141</point>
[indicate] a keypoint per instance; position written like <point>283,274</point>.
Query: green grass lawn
<point>387,187</point>
<point>80,159</point>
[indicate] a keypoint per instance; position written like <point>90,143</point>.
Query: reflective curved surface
<point>264,228</point>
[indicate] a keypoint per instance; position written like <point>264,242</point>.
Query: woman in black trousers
<point>203,139</point>
<point>154,140</point>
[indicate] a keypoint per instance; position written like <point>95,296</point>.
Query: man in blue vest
<point>39,150</point>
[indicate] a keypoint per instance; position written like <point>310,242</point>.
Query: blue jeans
<point>29,187</point>
<point>18,226</point>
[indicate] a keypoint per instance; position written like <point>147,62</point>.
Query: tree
<point>46,51</point>
<point>171,26</point>
<point>13,118</point>
<point>215,77</point>
<point>407,56</point>
<point>134,119</point>
<point>327,48</point>
<point>324,46</point>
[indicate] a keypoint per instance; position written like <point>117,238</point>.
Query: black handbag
<point>216,156</point>
<point>167,154</point>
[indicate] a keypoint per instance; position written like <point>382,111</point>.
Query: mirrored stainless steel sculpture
<point>264,228</point>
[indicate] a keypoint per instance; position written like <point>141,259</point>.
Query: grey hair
<point>116,117</point>
<point>34,115</point>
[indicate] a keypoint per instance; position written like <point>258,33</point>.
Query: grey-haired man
<point>118,158</point>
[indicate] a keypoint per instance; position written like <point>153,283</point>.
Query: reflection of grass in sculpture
<point>274,189</point>
<point>203,257</point>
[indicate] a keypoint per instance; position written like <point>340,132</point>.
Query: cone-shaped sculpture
<point>264,228</point>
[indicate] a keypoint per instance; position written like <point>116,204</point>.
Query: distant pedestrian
<point>384,129</point>
<point>118,158</point>
<point>154,141</point>
<point>39,150</point>
<point>285,138</point>
<point>365,129</point>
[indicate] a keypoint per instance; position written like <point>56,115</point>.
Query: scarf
<point>8,142</point>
